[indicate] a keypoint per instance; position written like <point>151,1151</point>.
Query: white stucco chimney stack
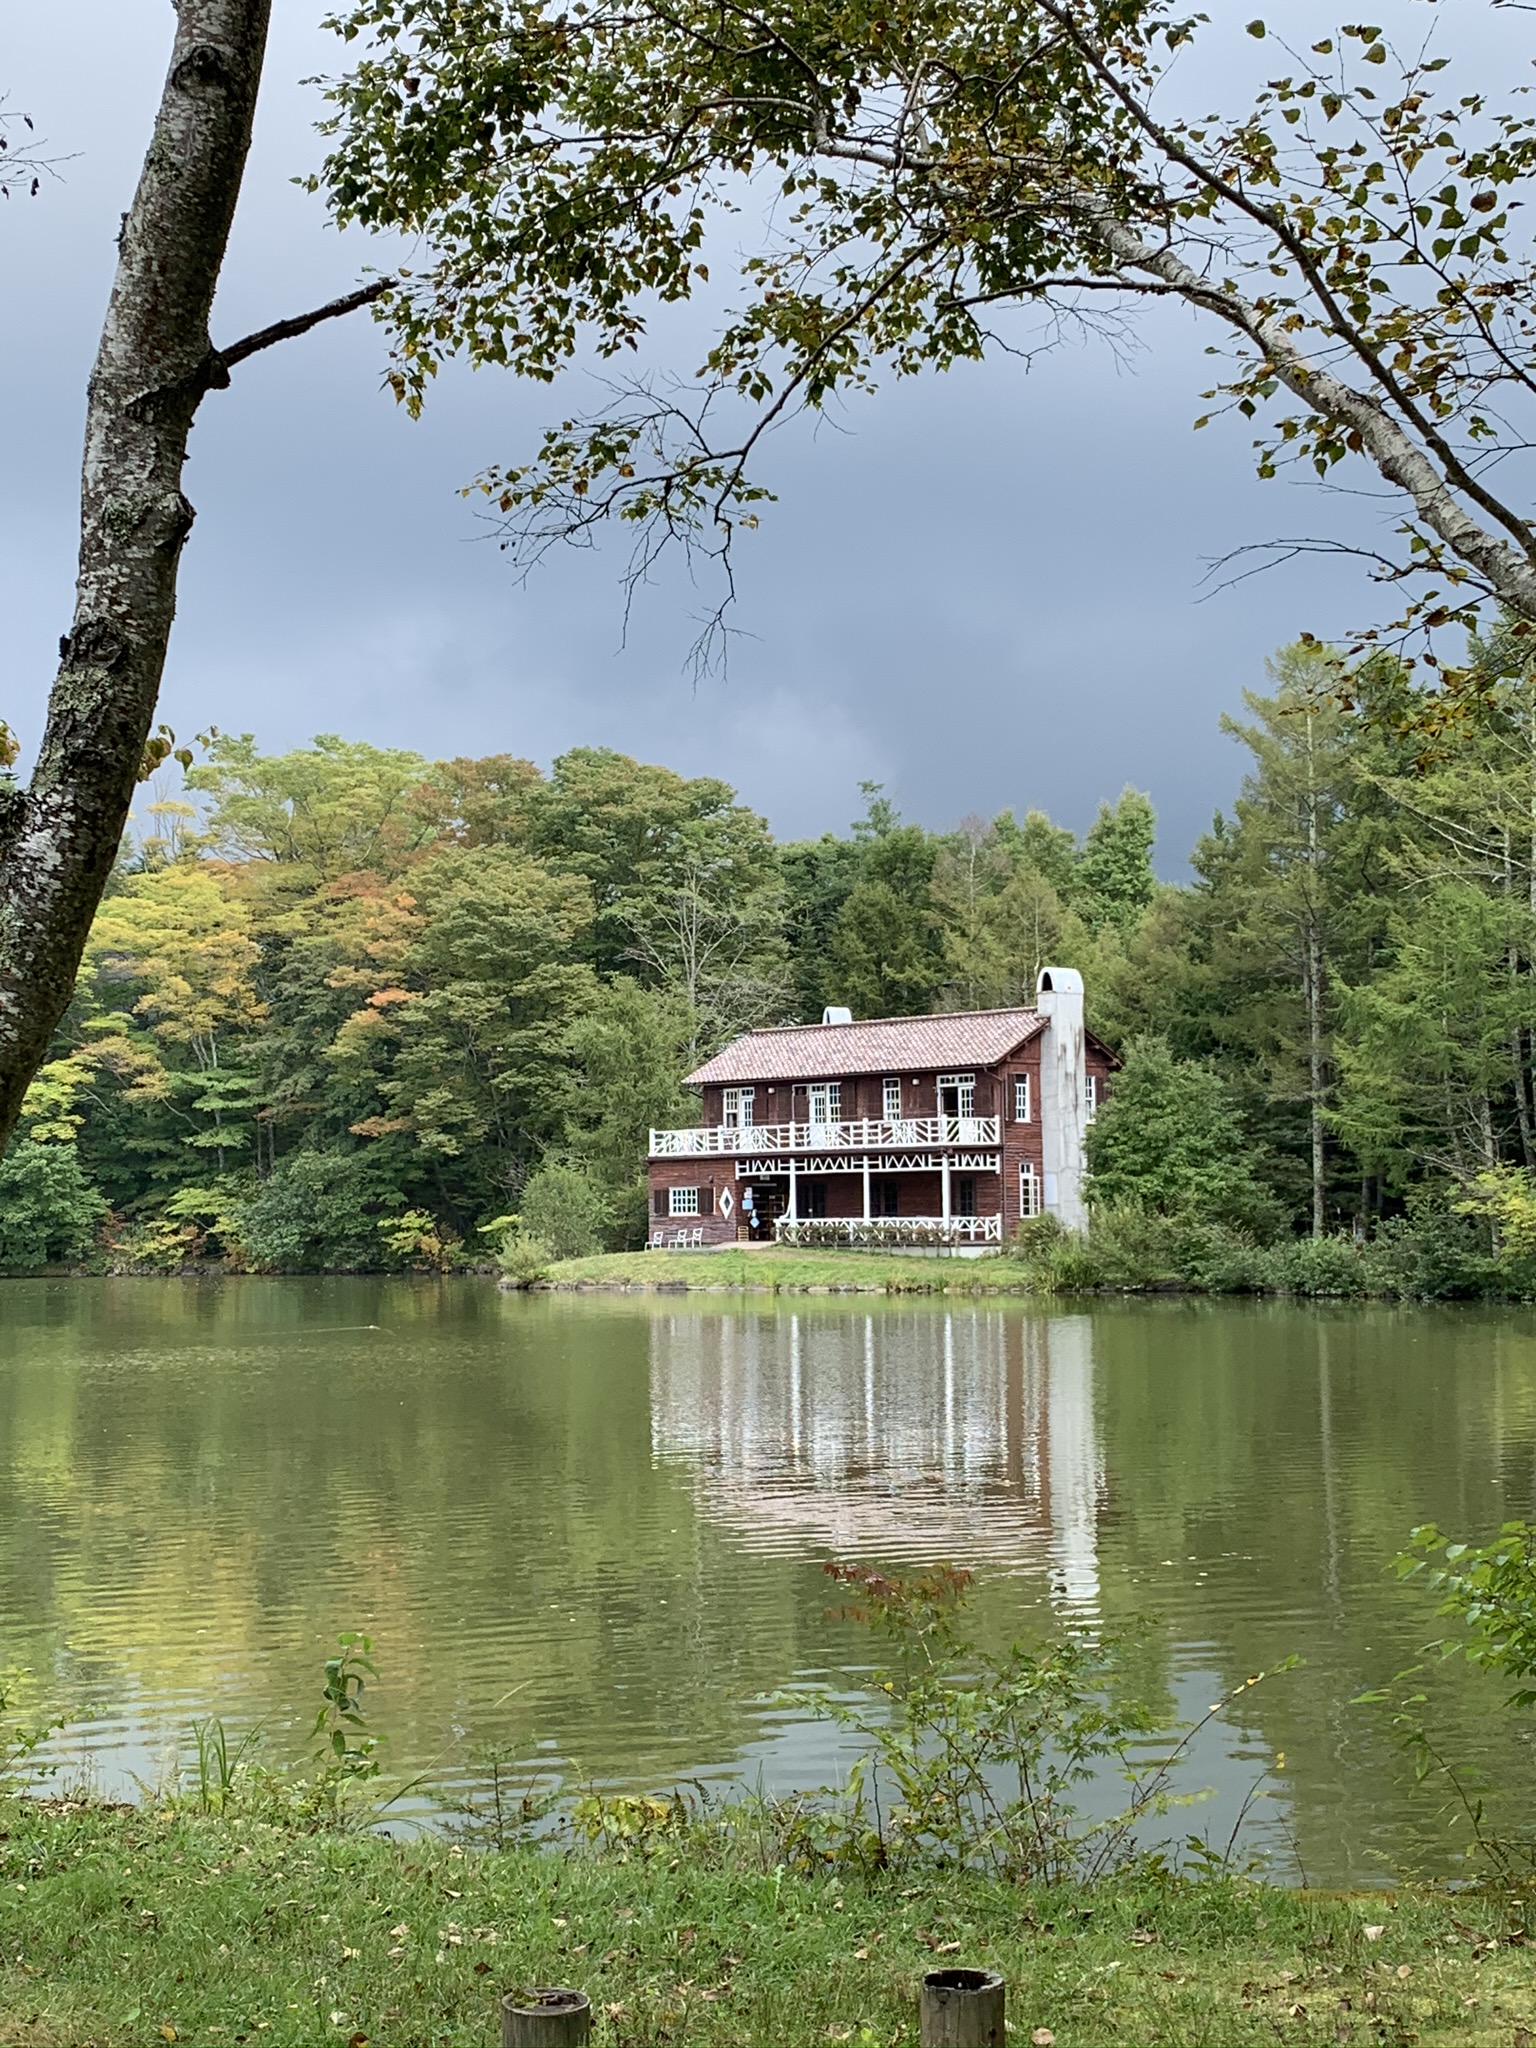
<point>1063,1104</point>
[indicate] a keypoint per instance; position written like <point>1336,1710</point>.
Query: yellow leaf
<point>168,2033</point>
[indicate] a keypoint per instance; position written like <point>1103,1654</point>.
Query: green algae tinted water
<point>590,1529</point>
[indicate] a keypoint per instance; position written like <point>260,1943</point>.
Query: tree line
<point>345,1007</point>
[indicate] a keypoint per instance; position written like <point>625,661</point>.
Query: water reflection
<point>922,1437</point>
<point>598,1522</point>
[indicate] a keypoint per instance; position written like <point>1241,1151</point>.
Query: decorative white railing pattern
<point>865,1134</point>
<point>754,1167</point>
<point>889,1230</point>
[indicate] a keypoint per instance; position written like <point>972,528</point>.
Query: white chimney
<point>834,1013</point>
<point>1063,1108</point>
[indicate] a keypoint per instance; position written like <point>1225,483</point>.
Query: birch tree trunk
<point>59,836</point>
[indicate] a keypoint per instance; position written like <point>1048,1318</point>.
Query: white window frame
<point>737,1111</point>
<point>683,1202</point>
<point>966,1085</point>
<point>830,1095</point>
<point>1090,1097</point>
<point>1023,1100</point>
<point>890,1100</point>
<point>1031,1190</point>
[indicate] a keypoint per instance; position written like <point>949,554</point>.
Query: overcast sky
<point>981,590</point>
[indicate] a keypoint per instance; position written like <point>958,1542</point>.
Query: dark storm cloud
<point>981,590</point>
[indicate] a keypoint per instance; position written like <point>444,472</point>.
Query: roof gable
<point>879,1045</point>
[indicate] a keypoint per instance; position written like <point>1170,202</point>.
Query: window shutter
<point>659,1202</point>
<point>706,1201</point>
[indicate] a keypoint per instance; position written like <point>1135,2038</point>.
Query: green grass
<point>124,1926</point>
<point>775,1271</point>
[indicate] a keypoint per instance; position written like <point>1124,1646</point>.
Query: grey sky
<point>982,590</point>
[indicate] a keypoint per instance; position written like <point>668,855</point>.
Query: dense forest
<point>346,1007</point>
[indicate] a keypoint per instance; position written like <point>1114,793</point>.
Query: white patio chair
<point>695,1243</point>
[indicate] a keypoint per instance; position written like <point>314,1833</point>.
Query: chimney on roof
<point>834,1013</point>
<point>1063,1106</point>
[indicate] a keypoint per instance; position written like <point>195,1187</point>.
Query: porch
<point>890,1233</point>
<point>863,1134</point>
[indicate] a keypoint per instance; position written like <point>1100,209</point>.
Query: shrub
<point>318,1212</point>
<point>524,1259</point>
<point>974,1758</point>
<point>563,1212</point>
<point>1321,1267</point>
<point>1431,1254</point>
<point>49,1210</point>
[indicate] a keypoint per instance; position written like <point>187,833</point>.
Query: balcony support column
<point>794,1209</point>
<point>944,1177</point>
<point>866,1187</point>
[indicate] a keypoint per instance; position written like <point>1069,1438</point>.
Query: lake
<point>590,1528</point>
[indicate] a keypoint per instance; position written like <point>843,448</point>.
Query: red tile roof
<point>882,1045</point>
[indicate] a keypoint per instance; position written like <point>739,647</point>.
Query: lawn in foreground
<point>773,1269</point>
<point>124,1926</point>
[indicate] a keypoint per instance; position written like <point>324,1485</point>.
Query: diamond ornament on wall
<point>726,1203</point>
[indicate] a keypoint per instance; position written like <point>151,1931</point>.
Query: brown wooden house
<point>904,1131</point>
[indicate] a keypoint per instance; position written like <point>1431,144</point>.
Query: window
<point>965,1197</point>
<point>1029,1190</point>
<point>886,1197</point>
<point>812,1203</point>
<point>685,1202</point>
<point>957,1095</point>
<point>1090,1097</point>
<point>892,1104</point>
<point>1021,1098</point>
<point>826,1102</point>
<point>738,1108</point>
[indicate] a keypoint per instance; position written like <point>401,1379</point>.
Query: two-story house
<point>897,1130</point>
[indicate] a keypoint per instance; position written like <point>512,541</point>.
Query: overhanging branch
<point>225,359</point>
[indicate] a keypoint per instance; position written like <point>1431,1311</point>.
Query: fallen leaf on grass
<point>1373,1933</point>
<point>1405,1969</point>
<point>1042,2037</point>
<point>168,2033</point>
<point>1143,1936</point>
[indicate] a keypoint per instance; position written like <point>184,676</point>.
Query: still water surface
<point>590,1528</point>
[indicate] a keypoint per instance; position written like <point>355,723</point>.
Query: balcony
<point>890,1232</point>
<point>865,1134</point>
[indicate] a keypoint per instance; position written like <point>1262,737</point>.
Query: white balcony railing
<point>865,1134</point>
<point>890,1230</point>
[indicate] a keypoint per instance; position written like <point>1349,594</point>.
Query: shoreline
<point>127,1926</point>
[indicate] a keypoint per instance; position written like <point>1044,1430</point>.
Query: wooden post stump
<point>961,2009</point>
<point>545,2016</point>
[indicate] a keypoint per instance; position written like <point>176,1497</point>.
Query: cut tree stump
<point>961,2009</point>
<point>545,2016</point>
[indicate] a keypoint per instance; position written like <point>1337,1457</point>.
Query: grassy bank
<point>132,1927</point>
<point>775,1271</point>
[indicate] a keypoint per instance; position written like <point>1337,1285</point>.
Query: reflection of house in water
<point>958,1436</point>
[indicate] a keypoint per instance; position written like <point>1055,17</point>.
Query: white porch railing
<point>889,1230</point>
<point>865,1134</point>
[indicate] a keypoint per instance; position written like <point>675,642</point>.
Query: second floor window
<point>738,1108</point>
<point>957,1095</point>
<point>826,1102</point>
<point>1021,1104</point>
<point>892,1104</point>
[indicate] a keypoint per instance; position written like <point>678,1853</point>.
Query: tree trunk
<point>59,837</point>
